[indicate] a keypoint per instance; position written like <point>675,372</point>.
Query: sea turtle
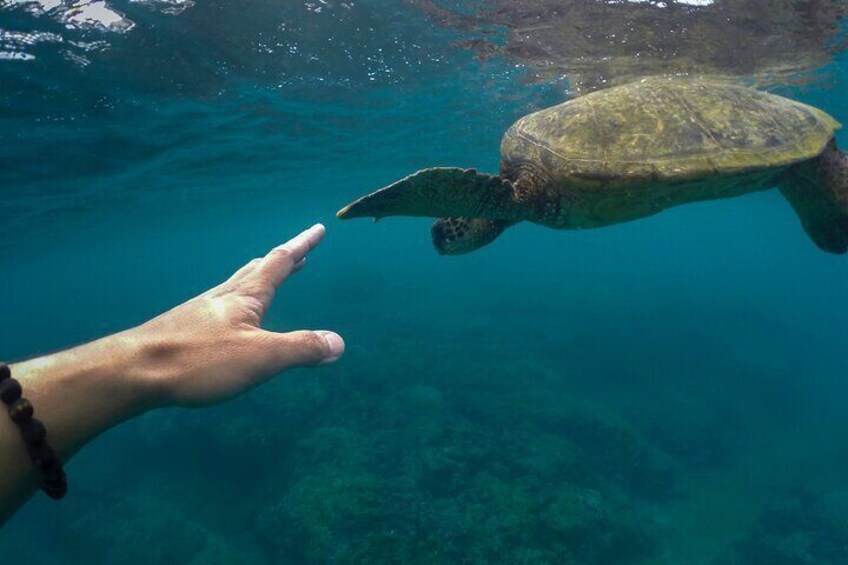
<point>631,151</point>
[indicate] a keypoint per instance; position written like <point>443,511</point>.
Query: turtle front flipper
<point>818,191</point>
<point>439,192</point>
<point>455,236</point>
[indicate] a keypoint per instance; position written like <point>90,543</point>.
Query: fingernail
<point>335,343</point>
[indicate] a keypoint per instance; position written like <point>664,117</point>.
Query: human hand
<point>212,347</point>
<point>206,350</point>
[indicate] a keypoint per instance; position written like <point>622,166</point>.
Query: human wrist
<point>124,364</point>
<point>83,391</point>
<point>149,362</point>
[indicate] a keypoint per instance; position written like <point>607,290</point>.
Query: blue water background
<point>709,339</point>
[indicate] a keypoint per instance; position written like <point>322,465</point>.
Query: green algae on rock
<point>799,526</point>
<point>472,469</point>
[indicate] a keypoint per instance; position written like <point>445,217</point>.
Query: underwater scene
<point>667,390</point>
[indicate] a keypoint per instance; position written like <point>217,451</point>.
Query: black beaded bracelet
<point>53,480</point>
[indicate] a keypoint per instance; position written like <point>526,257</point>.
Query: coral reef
<point>430,455</point>
<point>464,470</point>
<point>145,527</point>
<point>797,528</point>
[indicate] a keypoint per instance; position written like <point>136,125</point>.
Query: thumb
<point>306,348</point>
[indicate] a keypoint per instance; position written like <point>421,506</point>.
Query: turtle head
<point>455,236</point>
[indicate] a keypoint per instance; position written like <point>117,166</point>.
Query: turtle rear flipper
<point>455,236</point>
<point>440,192</point>
<point>818,191</point>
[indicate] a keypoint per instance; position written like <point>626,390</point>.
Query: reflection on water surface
<point>597,43</point>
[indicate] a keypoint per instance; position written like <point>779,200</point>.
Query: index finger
<point>280,261</point>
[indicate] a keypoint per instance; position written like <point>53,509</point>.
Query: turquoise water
<point>670,390</point>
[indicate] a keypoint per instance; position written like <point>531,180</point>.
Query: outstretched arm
<point>204,351</point>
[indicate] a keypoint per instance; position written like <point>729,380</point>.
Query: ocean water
<point>670,390</point>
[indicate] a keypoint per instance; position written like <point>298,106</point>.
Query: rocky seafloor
<point>428,456</point>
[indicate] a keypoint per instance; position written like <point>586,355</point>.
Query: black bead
<point>20,411</point>
<point>33,432</point>
<point>52,470</point>
<point>10,390</point>
<point>56,488</point>
<point>53,480</point>
<point>41,454</point>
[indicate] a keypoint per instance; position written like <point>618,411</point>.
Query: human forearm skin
<point>207,350</point>
<point>77,394</point>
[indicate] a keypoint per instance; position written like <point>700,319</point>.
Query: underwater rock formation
<point>480,468</point>
<point>144,527</point>
<point>700,434</point>
<point>796,528</point>
<point>598,43</point>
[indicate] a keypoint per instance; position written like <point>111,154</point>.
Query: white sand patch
<point>95,14</point>
<point>660,4</point>
<point>22,38</point>
<point>36,7</point>
<point>76,15</point>
<point>15,56</point>
<point>14,44</point>
<point>170,6</point>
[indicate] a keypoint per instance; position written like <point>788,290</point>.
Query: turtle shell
<point>666,130</point>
